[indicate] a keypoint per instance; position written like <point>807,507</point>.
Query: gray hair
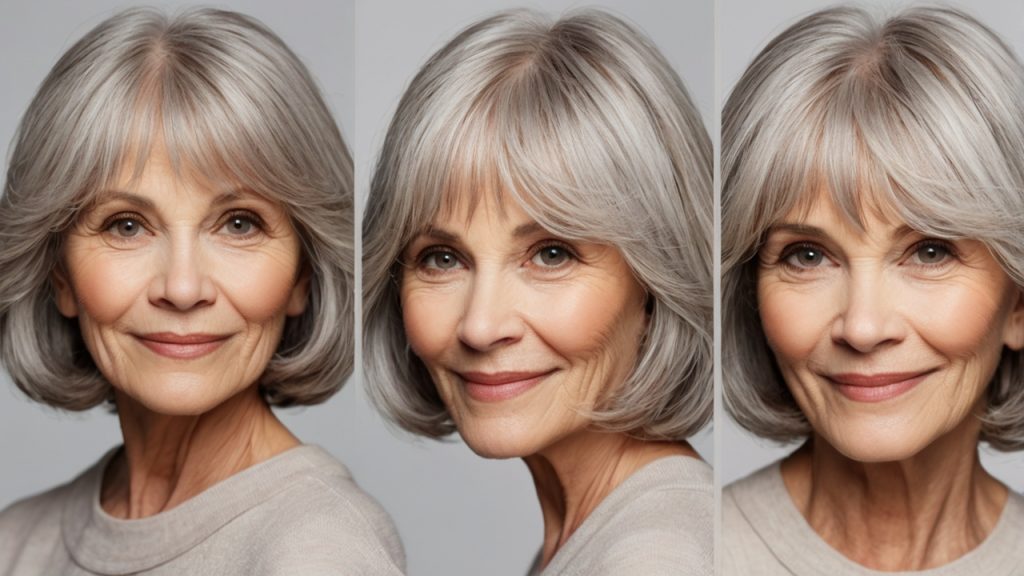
<point>584,124</point>
<point>233,103</point>
<point>925,112</point>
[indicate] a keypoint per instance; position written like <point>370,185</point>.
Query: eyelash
<point>793,249</point>
<point>947,246</point>
<point>460,262</point>
<point>258,225</point>
<point>120,217</point>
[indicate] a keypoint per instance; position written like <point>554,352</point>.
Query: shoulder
<point>33,512</point>
<point>661,520</point>
<point>30,529</point>
<point>322,517</point>
<point>746,512</point>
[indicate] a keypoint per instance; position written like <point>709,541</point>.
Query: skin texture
<point>163,255</point>
<point>894,483</point>
<point>487,290</point>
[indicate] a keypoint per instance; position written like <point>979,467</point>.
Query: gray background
<point>744,27</point>
<point>457,513</point>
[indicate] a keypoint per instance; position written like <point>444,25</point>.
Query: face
<point>887,338</point>
<point>521,331</point>
<point>181,289</point>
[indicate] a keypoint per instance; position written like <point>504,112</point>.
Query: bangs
<point>894,136</point>
<point>555,130</point>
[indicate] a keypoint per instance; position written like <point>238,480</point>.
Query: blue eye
<point>551,256</point>
<point>804,256</point>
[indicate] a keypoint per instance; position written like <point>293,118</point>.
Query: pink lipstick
<point>498,386</point>
<point>877,387</point>
<point>181,346</point>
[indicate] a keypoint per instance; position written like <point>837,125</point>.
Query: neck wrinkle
<point>915,514</point>
<point>169,459</point>
<point>574,476</point>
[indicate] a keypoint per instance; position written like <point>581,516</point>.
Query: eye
<point>124,226</point>
<point>440,259</point>
<point>803,256</point>
<point>241,224</point>
<point>552,256</point>
<point>931,253</point>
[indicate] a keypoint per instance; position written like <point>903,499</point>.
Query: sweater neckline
<point>768,506</point>
<point>104,544</point>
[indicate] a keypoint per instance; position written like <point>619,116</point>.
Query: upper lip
<point>498,378</point>
<point>873,380</point>
<point>172,338</point>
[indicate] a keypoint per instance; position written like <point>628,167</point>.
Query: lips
<point>182,346</point>
<point>876,387</point>
<point>498,386</point>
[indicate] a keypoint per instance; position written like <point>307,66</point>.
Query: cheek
<point>431,316</point>
<point>105,284</point>
<point>600,319</point>
<point>259,285</point>
<point>968,323</point>
<point>794,318</point>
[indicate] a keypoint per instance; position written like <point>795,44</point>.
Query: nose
<point>869,319</point>
<point>491,316</point>
<point>182,282</point>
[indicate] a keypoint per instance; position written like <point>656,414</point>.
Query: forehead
<point>865,210</point>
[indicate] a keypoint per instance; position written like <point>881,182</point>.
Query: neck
<point>573,476</point>
<point>914,514</point>
<point>170,459</point>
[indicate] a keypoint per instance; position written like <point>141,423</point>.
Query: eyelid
<point>949,246</point>
<point>259,225</point>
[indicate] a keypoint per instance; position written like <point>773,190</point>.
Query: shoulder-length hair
<point>924,111</point>
<point>584,125</point>
<point>230,102</point>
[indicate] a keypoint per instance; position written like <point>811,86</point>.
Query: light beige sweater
<point>297,513</point>
<point>763,533</point>
<point>658,522</point>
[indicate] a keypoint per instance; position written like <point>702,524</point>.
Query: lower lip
<point>499,392</point>
<point>182,351</point>
<point>879,393</point>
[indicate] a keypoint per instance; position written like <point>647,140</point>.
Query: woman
<point>537,277</point>
<point>165,168</point>
<point>873,260</point>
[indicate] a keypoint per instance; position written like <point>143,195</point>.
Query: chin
<point>872,442</point>
<point>185,397</point>
<point>500,440</point>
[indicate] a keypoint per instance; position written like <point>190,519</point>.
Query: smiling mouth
<point>876,387</point>
<point>182,346</point>
<point>498,386</point>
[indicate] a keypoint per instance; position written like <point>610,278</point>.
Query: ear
<point>64,296</point>
<point>1013,330</point>
<point>300,293</point>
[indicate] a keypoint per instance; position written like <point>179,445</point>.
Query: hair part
<point>232,104</point>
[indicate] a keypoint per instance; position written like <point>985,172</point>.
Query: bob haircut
<point>584,125</point>
<point>232,103</point>
<point>923,114</point>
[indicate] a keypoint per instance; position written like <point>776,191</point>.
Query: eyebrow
<point>797,229</point>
